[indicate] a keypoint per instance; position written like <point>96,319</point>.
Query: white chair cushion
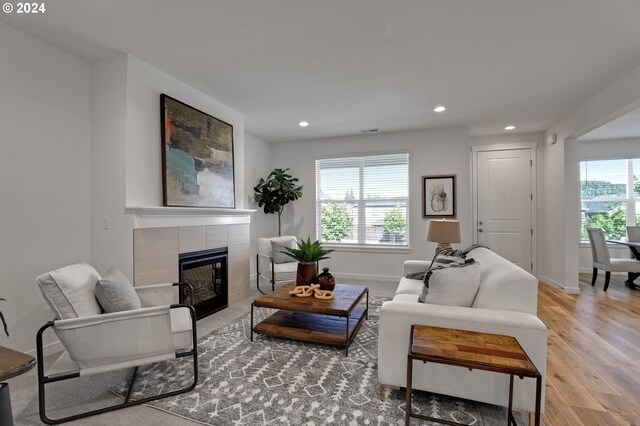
<point>284,271</point>
<point>625,265</point>
<point>264,244</point>
<point>406,297</point>
<point>70,291</point>
<point>180,328</point>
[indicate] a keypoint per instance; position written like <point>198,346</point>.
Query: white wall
<point>437,151</point>
<point>113,246</point>
<point>127,159</point>
<point>45,117</point>
<point>562,211</point>
<point>257,165</point>
<point>605,150</point>
<point>144,158</point>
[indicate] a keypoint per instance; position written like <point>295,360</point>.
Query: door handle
<point>480,230</point>
<point>480,223</point>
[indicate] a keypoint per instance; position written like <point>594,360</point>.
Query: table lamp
<point>443,232</point>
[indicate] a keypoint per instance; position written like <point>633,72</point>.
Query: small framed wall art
<point>197,157</point>
<point>439,196</point>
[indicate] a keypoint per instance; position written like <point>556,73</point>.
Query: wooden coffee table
<point>330,322</point>
<point>470,349</point>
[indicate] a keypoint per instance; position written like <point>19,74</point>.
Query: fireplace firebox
<point>206,272</point>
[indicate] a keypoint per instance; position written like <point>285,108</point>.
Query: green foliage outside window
<point>394,222</point>
<point>336,222</point>
<point>597,188</point>
<point>613,222</point>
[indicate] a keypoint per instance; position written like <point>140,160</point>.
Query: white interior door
<point>505,204</point>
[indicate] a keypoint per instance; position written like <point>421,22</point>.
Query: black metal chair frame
<point>273,274</point>
<point>43,380</point>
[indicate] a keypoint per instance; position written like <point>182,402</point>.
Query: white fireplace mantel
<point>162,217</point>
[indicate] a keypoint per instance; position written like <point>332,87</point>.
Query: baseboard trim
<point>566,289</point>
<point>365,277</point>
<point>590,271</point>
<point>48,349</point>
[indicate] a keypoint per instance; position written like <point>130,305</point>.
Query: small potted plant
<point>307,254</point>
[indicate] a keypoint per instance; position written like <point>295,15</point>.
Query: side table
<point>12,363</point>
<point>470,349</point>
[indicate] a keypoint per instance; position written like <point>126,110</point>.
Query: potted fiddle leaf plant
<point>276,191</point>
<point>308,254</point>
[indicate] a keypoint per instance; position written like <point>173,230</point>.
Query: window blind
<point>363,200</point>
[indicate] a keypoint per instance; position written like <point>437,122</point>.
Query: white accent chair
<point>269,270</point>
<point>97,342</point>
<point>601,259</point>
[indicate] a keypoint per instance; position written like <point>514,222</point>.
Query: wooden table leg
<point>407,419</point>
<point>538,397</point>
<point>252,322</point>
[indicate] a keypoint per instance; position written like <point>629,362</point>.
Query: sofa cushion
<point>504,285</point>
<point>115,293</point>
<point>454,285</point>
<point>409,286</point>
<point>70,291</point>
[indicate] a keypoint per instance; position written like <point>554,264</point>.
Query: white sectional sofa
<point>506,304</point>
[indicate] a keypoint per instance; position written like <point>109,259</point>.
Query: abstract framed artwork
<point>197,157</point>
<point>439,196</point>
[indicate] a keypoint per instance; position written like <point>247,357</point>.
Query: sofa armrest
<point>396,319</point>
<point>413,266</point>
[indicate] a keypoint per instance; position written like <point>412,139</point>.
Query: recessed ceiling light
<point>510,127</point>
<point>303,124</point>
<point>440,108</point>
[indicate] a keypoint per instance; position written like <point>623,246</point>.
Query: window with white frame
<point>610,196</point>
<point>363,200</point>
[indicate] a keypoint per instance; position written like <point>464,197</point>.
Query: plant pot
<point>6,417</point>
<point>306,274</point>
<point>326,280</point>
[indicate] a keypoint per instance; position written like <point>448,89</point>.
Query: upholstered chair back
<point>599,249</point>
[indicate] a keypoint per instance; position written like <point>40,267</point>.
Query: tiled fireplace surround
<point>156,250</point>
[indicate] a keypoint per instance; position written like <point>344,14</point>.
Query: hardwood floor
<point>593,362</point>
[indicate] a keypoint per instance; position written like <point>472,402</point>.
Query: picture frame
<point>197,157</point>
<point>439,196</point>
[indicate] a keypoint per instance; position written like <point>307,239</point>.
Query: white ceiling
<point>626,126</point>
<point>345,66</point>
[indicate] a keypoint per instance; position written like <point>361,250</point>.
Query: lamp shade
<point>443,232</point>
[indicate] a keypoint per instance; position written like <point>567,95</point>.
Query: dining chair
<point>602,260</point>
<point>633,233</point>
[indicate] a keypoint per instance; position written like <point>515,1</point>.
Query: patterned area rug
<point>283,382</point>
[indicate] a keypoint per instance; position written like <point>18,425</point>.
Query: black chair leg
<point>595,276</point>
<point>607,277</point>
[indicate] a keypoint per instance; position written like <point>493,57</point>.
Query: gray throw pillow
<point>454,284</point>
<point>278,251</point>
<point>115,293</point>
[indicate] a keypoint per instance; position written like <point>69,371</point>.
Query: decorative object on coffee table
<point>470,349</point>
<point>308,254</point>
<point>331,322</point>
<point>197,157</point>
<point>304,290</point>
<point>323,294</point>
<point>276,191</point>
<point>439,196</point>
<point>326,280</point>
<point>444,232</point>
